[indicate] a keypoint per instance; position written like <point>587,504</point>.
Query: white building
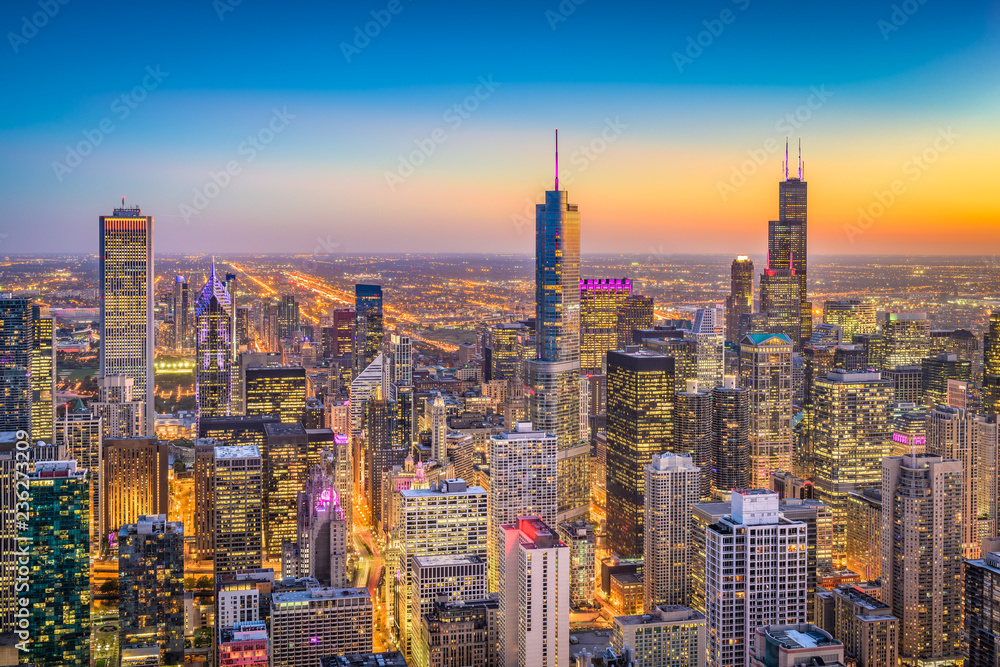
<point>439,430</point>
<point>441,579</point>
<point>673,485</point>
<point>534,596</point>
<point>306,625</point>
<point>522,483</point>
<point>755,575</point>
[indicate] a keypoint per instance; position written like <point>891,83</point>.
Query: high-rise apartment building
<point>740,299</point>
<point>866,626</point>
<point>864,533</point>
<point>599,302</point>
<point>204,498</point>
<point>276,391</point>
<point>672,486</point>
<point>82,434</point>
<point>121,414</point>
<point>852,433</point>
<point>215,345</point>
<point>43,374</point>
<point>369,329</point>
<point>401,360</point>
<point>770,553</point>
<point>950,436</point>
<point>16,351</point>
<point>852,316</point>
<point>982,610</point>
<point>991,365</point>
<point>730,462</point>
<point>668,636</point>
<point>151,586</point>
<point>907,339</point>
<point>133,481</point>
<point>239,508</point>
<point>922,556</point>
<point>693,430</point>
<point>766,374</point>
<point>306,625</point>
<point>553,372</point>
<point>580,538</point>
<point>639,424</point>
<point>534,596</point>
<point>703,515</point>
<point>126,299</point>
<point>522,483</point>
<point>178,309</point>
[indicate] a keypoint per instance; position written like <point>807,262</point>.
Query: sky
<point>415,126</point>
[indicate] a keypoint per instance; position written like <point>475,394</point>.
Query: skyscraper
<point>15,364</point>
<point>401,356</point>
<point>369,330</point>
<point>740,299</point>
<point>936,373</point>
<point>766,373</point>
<point>288,316</point>
<point>178,309</point>
<point>133,482</point>
<point>636,312</point>
<point>852,433</point>
<point>991,365</point>
<point>708,332</point>
<point>982,609</point>
<point>321,621</point>
<point>81,433</point>
<point>950,435</point>
<point>640,424</point>
<point>780,301</point>
<point>787,242</point>
<point>907,339</point>
<point>730,436</point>
<point>553,373</point>
<point>43,374</point>
<point>345,323</point>
<point>922,556</point>
<point>126,300</point>
<point>507,353</point>
<point>693,431</point>
<point>239,508</point>
<point>151,586</point>
<point>522,483</point>
<point>215,343</point>
<point>58,595</point>
<point>122,415</point>
<point>599,302</point>
<point>673,485</point>
<point>276,391</point>
<point>285,470</point>
<point>748,541</point>
<point>852,316</point>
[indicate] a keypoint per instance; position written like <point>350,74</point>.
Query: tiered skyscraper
<point>126,301</point>
<point>215,343</point>
<point>554,373</point>
<point>787,243</point>
<point>369,330</point>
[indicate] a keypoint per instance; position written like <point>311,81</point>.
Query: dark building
<point>369,332</point>
<point>982,610</point>
<point>276,391</point>
<point>288,316</point>
<point>285,460</point>
<point>693,430</point>
<point>640,408</point>
<point>636,312</point>
<point>730,436</point>
<point>937,371</point>
<point>740,299</point>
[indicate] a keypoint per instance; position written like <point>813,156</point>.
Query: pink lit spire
<point>557,159</point>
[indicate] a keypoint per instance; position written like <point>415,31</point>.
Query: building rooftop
<point>804,635</point>
<point>448,490</point>
<point>432,561</point>
<point>319,594</point>
<point>283,428</point>
<point>387,659</point>
<point>670,613</point>
<point>237,452</point>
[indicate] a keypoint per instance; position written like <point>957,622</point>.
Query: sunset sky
<point>904,101</point>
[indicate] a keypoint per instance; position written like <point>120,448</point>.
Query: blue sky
<point>224,68</point>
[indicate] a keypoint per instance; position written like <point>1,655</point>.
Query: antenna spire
<point>123,201</point>
<point>786,158</point>
<point>800,158</point>
<point>557,159</point>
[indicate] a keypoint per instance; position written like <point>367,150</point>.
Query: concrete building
<point>669,636</point>
<point>306,625</point>
<point>673,485</point>
<point>866,626</point>
<point>795,645</point>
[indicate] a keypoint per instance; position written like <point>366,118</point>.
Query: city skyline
<point>666,133</point>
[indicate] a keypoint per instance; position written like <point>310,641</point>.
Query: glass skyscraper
<point>214,340</point>
<point>126,301</point>
<point>599,302</point>
<point>43,374</point>
<point>16,337</point>
<point>553,375</point>
<point>370,330</point>
<point>740,299</point>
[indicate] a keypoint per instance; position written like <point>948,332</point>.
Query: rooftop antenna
<point>786,158</point>
<point>800,158</point>
<point>557,159</point>
<point>123,201</point>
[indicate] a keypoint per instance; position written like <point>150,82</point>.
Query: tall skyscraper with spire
<point>553,376</point>
<point>214,341</point>
<point>126,295</point>
<point>787,247</point>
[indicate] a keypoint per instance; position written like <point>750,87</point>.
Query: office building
<point>672,485</point>
<point>684,352</point>
<point>58,593</point>
<point>922,556</point>
<point>580,538</point>
<point>599,302</point>
<point>795,645</point>
<point>636,312</point>
<point>938,372</point>
<point>449,519</point>
<point>320,547</point>
<point>818,519</point>
<point>982,609</point>
<point>668,636</point>
<point>178,309</point>
<point>534,596</point>
<point>245,360</point>
<point>693,430</point>
<point>461,633</point>
<point>204,498</point>
<point>740,299</point>
<point>245,644</point>
<point>708,333</point>
<point>285,462</point>
<point>907,383</point>
<point>864,532</point>
<point>151,586</point>
<point>639,424</point>
<point>288,317</point>
<point>82,435</point>
<point>852,316</point>
<point>441,579</point>
<point>907,339</point>
<point>522,483</point>
<point>122,416</point>
<point>239,508</point>
<point>43,374</point>
<point>507,350</point>
<point>866,626</point>
<point>991,365</point>
<point>766,374</point>
<point>126,282</point>
<point>276,391</point>
<point>369,329</point>
<point>133,482</point>
<point>306,625</point>
<point>773,588</point>
<point>852,433</point>
<point>215,349</point>
<point>339,342</point>
<point>781,302</point>
<point>16,352</point>
<point>730,463</point>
